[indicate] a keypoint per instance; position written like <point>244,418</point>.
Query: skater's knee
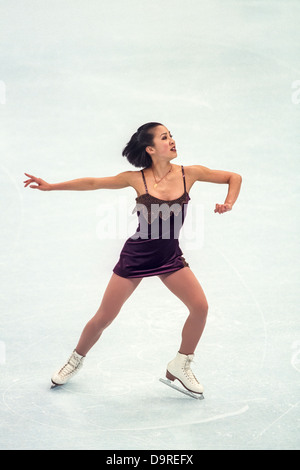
<point>103,319</point>
<point>199,308</point>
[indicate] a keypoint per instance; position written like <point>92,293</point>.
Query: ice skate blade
<point>53,385</point>
<point>197,396</point>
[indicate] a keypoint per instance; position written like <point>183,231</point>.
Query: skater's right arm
<point>122,180</point>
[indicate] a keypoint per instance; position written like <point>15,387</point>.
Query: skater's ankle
<point>185,353</point>
<point>79,353</point>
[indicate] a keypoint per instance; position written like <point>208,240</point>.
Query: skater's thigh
<point>117,292</point>
<point>184,284</point>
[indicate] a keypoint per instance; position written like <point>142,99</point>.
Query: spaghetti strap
<point>183,175</point>
<point>144,181</point>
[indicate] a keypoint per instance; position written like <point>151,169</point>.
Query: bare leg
<point>185,286</point>
<point>117,292</point>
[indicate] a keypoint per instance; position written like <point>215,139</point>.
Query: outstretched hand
<point>39,183</point>
<point>221,208</point>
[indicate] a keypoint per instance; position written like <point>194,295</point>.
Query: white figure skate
<point>179,369</point>
<point>74,364</point>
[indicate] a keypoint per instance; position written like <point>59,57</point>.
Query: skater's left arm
<point>234,181</point>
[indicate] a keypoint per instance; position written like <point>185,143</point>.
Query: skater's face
<point>163,147</point>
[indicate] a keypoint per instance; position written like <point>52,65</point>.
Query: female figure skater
<point>162,197</point>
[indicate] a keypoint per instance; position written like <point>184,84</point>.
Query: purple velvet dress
<point>154,248</point>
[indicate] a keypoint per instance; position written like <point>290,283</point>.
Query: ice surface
<point>77,79</point>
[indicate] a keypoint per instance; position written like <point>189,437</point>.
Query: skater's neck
<point>161,168</point>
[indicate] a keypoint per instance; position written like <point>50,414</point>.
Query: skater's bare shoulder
<point>203,173</point>
<point>123,180</point>
<point>119,181</point>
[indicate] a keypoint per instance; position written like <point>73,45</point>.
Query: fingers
<point>222,208</point>
<point>218,209</point>
<point>36,183</point>
<point>32,179</point>
<point>26,183</point>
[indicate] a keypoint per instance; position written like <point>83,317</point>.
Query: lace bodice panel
<point>151,207</point>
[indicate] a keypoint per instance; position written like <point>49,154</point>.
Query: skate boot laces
<point>70,367</point>
<point>188,371</point>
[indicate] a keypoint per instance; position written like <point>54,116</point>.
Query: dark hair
<point>135,150</point>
